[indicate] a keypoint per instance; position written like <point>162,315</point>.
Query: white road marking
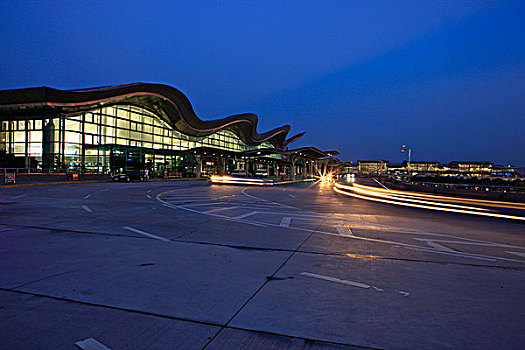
<point>265,200</point>
<point>22,195</point>
<point>245,215</point>
<point>381,184</point>
<point>86,197</point>
<point>204,204</point>
<point>463,255</point>
<point>480,243</point>
<point>516,253</point>
<point>148,196</point>
<point>291,195</point>
<point>91,344</point>
<point>219,209</point>
<point>285,221</point>
<point>149,191</point>
<point>337,280</point>
<point>405,294</point>
<point>104,190</point>
<point>344,231</point>
<point>160,197</point>
<point>86,208</point>
<point>440,247</point>
<point>146,234</point>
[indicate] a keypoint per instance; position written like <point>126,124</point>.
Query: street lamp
<point>403,149</point>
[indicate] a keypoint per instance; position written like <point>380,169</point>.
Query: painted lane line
<point>344,231</point>
<point>86,208</point>
<point>265,200</point>
<point>245,215</point>
<point>149,191</point>
<point>219,209</point>
<point>204,204</point>
<point>381,184</point>
<point>146,234</point>
<point>173,206</point>
<point>104,190</point>
<point>86,197</point>
<point>291,195</point>
<point>148,196</point>
<point>516,253</point>
<point>458,254</point>
<point>480,243</point>
<point>22,195</point>
<point>440,247</point>
<point>285,221</point>
<point>91,344</point>
<point>160,197</point>
<point>337,280</point>
<point>405,294</point>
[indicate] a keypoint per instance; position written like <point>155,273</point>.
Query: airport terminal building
<point>139,126</point>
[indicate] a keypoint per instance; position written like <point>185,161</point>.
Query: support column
<point>222,162</point>
<point>198,171</point>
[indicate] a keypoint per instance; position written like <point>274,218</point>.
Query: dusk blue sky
<point>446,78</point>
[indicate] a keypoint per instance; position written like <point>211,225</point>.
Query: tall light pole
<point>403,149</point>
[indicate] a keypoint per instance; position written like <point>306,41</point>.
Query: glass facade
<point>106,139</point>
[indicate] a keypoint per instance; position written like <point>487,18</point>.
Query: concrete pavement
<point>192,265</point>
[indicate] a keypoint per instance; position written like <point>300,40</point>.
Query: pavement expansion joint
<point>170,317</point>
<point>268,279</point>
<point>45,278</point>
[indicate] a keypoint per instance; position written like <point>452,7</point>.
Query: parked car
<point>130,175</point>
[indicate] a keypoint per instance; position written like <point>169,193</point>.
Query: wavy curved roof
<point>168,103</point>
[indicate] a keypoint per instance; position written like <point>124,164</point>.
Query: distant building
<point>472,168</point>
<point>372,166</point>
<point>422,166</point>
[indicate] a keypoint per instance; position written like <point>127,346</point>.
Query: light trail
<point>403,198</point>
<point>216,179</point>
<point>238,180</point>
<point>448,199</point>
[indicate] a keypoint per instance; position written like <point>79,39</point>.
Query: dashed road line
<point>219,209</point>
<point>91,344</point>
<point>440,247</point>
<point>146,234</point>
<point>285,221</point>
<point>243,191</point>
<point>344,231</point>
<point>22,195</point>
<point>297,216</point>
<point>86,208</point>
<point>516,253</point>
<point>337,280</point>
<point>86,197</point>
<point>245,215</point>
<point>381,184</point>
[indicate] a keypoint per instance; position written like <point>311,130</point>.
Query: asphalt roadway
<point>189,265</point>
